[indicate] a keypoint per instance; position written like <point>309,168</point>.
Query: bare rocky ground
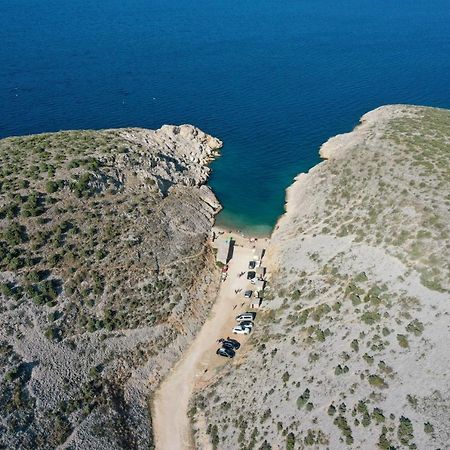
<point>105,276</point>
<point>353,349</point>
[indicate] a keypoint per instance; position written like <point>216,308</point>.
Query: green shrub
<point>339,370</point>
<point>53,334</point>
<point>361,277</point>
<point>377,381</point>
<point>383,442</point>
<point>16,263</point>
<point>320,311</point>
<point>290,441</point>
<point>54,259</point>
<point>378,415</point>
<point>303,317</point>
<point>51,187</point>
<point>303,399</point>
<point>33,277</point>
<point>368,358</point>
<point>33,206</point>
<point>10,211</point>
<point>341,422</point>
<point>15,234</point>
<point>405,430</point>
<point>52,316</point>
<point>365,420</point>
<point>362,407</point>
<point>355,345</point>
<point>402,341</point>
<point>370,317</point>
<point>310,438</point>
<point>415,327</point>
<point>412,400</point>
<point>12,374</point>
<point>7,290</point>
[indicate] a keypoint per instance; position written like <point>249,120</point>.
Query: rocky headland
<point>105,274</point>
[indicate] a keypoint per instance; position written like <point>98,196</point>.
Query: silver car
<point>245,316</point>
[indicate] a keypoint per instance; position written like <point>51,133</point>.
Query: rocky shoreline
<point>97,317</point>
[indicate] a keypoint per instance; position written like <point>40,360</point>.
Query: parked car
<point>239,329</point>
<point>246,316</point>
<point>246,324</point>
<point>252,264</point>
<point>225,352</point>
<point>248,294</point>
<point>231,343</point>
<point>251,274</point>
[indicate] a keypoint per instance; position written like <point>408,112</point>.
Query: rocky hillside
<point>105,275</point>
<point>352,351</point>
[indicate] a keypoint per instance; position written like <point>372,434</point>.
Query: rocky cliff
<point>352,349</point>
<point>105,276</point>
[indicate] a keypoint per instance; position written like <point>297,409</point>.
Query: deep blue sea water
<point>272,78</point>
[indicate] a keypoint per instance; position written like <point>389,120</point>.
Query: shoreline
<point>225,221</point>
<point>327,151</point>
<point>243,233</point>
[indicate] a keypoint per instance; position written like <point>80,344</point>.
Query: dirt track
<point>170,421</point>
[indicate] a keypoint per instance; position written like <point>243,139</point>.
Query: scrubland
<point>105,275</point>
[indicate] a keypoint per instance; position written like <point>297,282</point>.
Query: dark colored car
<point>225,352</point>
<point>248,294</point>
<point>251,274</point>
<point>246,324</point>
<point>252,264</point>
<point>231,343</point>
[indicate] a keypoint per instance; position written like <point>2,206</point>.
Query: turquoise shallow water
<point>273,79</point>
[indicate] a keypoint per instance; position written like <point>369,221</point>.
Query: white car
<point>245,316</point>
<point>239,329</point>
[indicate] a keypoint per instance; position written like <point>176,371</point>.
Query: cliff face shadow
<point>231,250</point>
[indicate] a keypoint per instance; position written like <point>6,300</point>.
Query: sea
<point>273,79</point>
